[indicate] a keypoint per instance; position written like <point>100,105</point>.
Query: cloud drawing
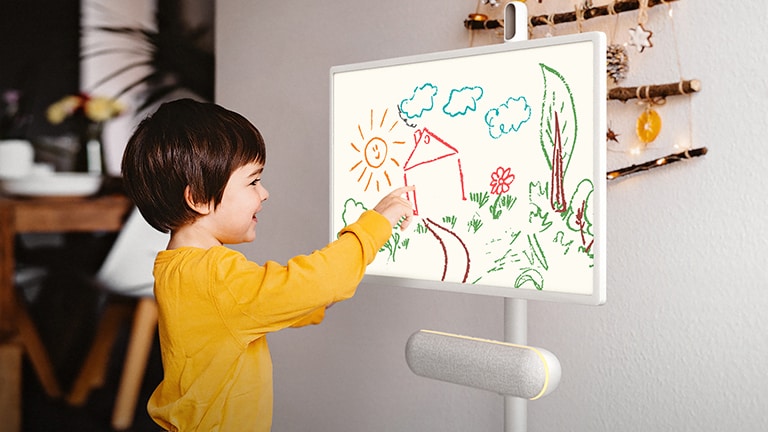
<point>421,100</point>
<point>508,117</point>
<point>463,100</point>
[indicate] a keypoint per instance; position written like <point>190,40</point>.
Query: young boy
<point>195,169</point>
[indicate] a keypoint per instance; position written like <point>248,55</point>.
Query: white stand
<point>515,310</point>
<point>516,332</point>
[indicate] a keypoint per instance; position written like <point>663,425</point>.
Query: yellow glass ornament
<point>648,126</point>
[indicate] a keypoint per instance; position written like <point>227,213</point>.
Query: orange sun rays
<point>374,153</point>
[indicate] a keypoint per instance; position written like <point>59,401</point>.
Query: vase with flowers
<point>89,113</point>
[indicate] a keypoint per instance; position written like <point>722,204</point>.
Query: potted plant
<point>174,55</point>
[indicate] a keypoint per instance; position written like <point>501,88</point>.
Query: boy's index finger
<point>403,190</point>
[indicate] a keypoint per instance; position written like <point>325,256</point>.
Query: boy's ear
<point>202,208</point>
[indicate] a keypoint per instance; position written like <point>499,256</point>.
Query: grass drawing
<point>451,220</point>
<point>421,228</point>
<point>481,198</point>
<point>391,246</point>
<point>474,224</point>
<point>501,202</point>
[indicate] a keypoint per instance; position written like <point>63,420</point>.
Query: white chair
<point>127,271</point>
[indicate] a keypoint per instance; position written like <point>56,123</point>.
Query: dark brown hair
<point>186,143</point>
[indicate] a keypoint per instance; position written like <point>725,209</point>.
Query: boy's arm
<point>297,293</point>
<point>315,317</point>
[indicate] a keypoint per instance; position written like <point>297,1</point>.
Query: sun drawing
<point>374,153</point>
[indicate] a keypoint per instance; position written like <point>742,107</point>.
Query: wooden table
<point>17,333</point>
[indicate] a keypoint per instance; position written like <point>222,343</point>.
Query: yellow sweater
<point>216,308</point>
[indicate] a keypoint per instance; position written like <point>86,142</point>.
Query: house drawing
<point>432,157</point>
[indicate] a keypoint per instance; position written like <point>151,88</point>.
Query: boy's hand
<point>394,207</point>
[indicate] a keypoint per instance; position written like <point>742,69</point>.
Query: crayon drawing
<point>436,159</point>
<point>373,149</point>
<point>506,167</point>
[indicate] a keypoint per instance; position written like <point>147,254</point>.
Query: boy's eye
<point>253,183</point>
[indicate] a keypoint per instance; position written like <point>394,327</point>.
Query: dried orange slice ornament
<point>648,126</point>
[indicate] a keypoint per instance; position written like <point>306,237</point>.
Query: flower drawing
<point>501,179</point>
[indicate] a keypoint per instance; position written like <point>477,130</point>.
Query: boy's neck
<point>192,235</point>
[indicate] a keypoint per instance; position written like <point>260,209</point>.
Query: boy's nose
<point>264,194</point>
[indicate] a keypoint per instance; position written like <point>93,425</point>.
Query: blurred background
<point>139,53</point>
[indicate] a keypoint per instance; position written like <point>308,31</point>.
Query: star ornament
<point>640,38</point>
<point>612,136</point>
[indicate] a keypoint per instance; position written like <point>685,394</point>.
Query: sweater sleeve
<point>315,317</point>
<point>261,299</point>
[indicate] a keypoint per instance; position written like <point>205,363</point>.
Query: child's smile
<point>243,197</point>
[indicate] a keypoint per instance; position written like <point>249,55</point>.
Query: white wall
<point>680,343</point>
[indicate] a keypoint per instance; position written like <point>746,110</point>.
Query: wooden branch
<point>477,23</point>
<point>666,160</point>
<point>654,91</point>
<point>593,12</point>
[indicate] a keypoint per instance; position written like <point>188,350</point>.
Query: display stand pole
<point>515,310</point>
<point>516,332</point>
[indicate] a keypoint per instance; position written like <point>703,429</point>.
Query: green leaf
<point>558,98</point>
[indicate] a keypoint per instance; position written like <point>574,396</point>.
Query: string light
<point>662,161</point>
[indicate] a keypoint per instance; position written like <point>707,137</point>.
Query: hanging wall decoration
<point>617,57</point>
<point>662,161</point>
<point>649,122</point>
<point>611,135</point>
<point>648,125</point>
<point>640,38</point>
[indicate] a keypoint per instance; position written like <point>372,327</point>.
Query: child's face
<point>235,217</point>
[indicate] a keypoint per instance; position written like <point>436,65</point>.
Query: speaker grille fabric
<point>504,368</point>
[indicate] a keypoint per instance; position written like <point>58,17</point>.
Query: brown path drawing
<point>456,253</point>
